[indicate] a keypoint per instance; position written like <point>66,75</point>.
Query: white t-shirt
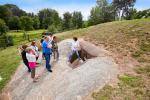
<point>50,39</point>
<point>76,46</point>
<point>35,48</point>
<point>31,57</point>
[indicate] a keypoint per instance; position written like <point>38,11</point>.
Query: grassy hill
<point>126,38</point>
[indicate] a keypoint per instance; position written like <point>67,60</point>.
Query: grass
<point>143,70</point>
<point>129,88</point>
<point>124,37</point>
<point>104,94</point>
<point>21,32</point>
<point>132,81</point>
<point>19,36</point>
<point>9,61</point>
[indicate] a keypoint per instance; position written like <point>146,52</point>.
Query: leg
<point>54,54</point>
<point>47,58</point>
<point>26,63</point>
<point>73,57</point>
<point>80,54</point>
<point>57,55</point>
<point>37,58</point>
<point>33,73</point>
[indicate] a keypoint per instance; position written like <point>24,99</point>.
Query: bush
<point>52,29</point>
<point>3,27</point>
<point>9,41</point>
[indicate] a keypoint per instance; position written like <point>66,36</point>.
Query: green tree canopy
<point>36,22</point>
<point>122,7</point>
<point>3,27</point>
<point>5,13</point>
<point>67,21</point>
<point>16,11</point>
<point>14,23</point>
<point>77,20</point>
<point>102,13</point>
<point>48,17</point>
<point>26,23</point>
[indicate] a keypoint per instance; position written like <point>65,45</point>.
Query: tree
<point>143,14</point>
<point>67,21</point>
<point>26,23</point>
<point>16,11</point>
<point>14,23</point>
<point>31,15</point>
<point>3,27</point>
<point>77,20</point>
<point>103,12</point>
<point>36,22</point>
<point>5,13</point>
<point>95,16</point>
<point>48,17</point>
<point>47,22</point>
<point>132,13</point>
<point>122,7</point>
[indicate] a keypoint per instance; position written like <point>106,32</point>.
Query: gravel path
<point>64,83</point>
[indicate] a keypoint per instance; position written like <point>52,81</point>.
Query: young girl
<point>31,57</point>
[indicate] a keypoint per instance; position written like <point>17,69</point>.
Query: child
<point>35,48</point>
<point>24,58</point>
<point>55,48</point>
<point>31,57</point>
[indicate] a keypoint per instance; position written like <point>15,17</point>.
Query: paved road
<point>64,83</point>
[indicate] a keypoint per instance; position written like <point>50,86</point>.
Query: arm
<point>49,46</point>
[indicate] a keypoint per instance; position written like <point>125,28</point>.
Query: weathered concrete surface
<point>64,83</point>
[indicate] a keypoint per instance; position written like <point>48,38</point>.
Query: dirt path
<point>64,83</point>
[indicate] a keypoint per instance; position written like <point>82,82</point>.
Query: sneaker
<point>29,71</point>
<point>50,70</point>
<point>35,80</point>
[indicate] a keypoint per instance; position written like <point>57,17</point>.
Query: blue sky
<point>65,5</point>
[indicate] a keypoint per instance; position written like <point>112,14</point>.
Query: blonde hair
<point>28,49</point>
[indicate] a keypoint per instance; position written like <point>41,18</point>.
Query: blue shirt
<point>46,50</point>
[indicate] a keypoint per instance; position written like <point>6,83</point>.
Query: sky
<point>65,5</point>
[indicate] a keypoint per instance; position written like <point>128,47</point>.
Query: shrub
<point>3,27</point>
<point>52,29</point>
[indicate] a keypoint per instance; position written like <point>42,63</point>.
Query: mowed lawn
<point>9,57</point>
<point>19,36</point>
<point>20,32</point>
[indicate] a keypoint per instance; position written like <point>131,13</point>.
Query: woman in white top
<point>76,50</point>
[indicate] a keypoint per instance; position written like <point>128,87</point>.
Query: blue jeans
<point>47,58</point>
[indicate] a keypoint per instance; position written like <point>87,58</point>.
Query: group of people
<point>30,54</point>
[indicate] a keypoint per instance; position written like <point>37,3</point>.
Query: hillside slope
<point>129,42</point>
<point>123,36</point>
